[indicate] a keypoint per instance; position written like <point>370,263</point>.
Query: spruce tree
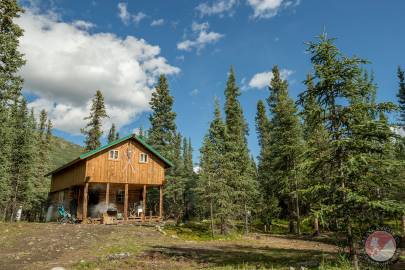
<point>163,128</point>
<point>163,136</point>
<point>11,60</point>
<point>213,187</point>
<point>401,140</point>
<point>187,157</point>
<point>93,130</point>
<point>112,134</point>
<point>191,178</point>
<point>237,164</point>
<point>176,186</point>
<point>360,159</point>
<point>401,96</point>
<point>269,204</point>
<point>286,148</point>
<point>316,138</point>
<point>22,158</point>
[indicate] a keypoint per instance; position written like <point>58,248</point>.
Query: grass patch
<point>198,231</point>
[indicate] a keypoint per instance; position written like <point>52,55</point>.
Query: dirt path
<point>43,246</point>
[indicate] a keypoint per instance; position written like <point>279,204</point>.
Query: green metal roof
<point>101,148</point>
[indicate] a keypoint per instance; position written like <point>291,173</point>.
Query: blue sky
<point>194,43</point>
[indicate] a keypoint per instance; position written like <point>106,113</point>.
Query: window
<point>120,196</point>
<point>113,155</point>
<point>143,158</point>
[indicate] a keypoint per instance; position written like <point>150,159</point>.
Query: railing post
<point>85,192</point>
<point>126,203</point>
<point>144,203</point>
<point>107,195</point>
<point>161,202</point>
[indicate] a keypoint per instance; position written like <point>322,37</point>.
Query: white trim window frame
<point>113,155</point>
<point>143,158</point>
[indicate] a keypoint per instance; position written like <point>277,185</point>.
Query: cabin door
<point>94,198</point>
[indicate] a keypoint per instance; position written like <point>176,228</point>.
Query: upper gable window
<point>113,155</point>
<point>143,158</point>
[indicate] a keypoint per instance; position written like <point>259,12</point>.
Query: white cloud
<point>261,80</point>
<point>269,8</point>
<point>197,169</point>
<point>83,25</point>
<point>203,38</point>
<point>219,7</point>
<point>67,64</point>
<point>194,92</point>
<point>158,22</point>
<point>198,27</point>
<point>126,17</point>
<point>123,13</point>
<point>399,131</point>
<point>138,17</point>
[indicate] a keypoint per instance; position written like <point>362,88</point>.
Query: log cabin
<point>113,178</point>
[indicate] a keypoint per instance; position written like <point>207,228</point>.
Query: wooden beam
<point>161,202</point>
<point>107,195</point>
<point>85,194</point>
<point>144,203</point>
<point>126,203</point>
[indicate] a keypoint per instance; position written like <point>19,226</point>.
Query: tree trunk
<point>246,220</point>
<point>292,218</point>
<point>291,226</point>
<point>14,204</point>
<point>316,227</point>
<point>223,226</point>
<point>212,218</point>
<point>352,246</point>
<point>297,208</point>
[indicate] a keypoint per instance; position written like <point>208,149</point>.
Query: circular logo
<point>380,246</point>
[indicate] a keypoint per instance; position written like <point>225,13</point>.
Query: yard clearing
<point>48,245</point>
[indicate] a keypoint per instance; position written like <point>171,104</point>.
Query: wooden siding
<point>100,169</point>
<point>71,176</point>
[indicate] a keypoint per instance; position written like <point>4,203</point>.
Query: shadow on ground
<point>236,255</point>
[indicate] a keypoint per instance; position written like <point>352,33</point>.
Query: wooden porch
<point>127,201</point>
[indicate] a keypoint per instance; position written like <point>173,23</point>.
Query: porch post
<point>161,202</point>
<point>126,203</point>
<point>107,195</point>
<point>144,203</point>
<point>85,192</point>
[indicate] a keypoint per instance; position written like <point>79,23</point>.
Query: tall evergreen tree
<point>269,205</point>
<point>317,139</point>
<point>22,158</point>
<point>11,60</point>
<point>188,157</point>
<point>401,96</point>
<point>163,136</point>
<point>286,148</point>
<point>213,187</point>
<point>401,140</point>
<point>93,130</point>
<point>176,186</point>
<point>163,128</point>
<point>359,145</point>
<point>112,134</point>
<point>238,169</point>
